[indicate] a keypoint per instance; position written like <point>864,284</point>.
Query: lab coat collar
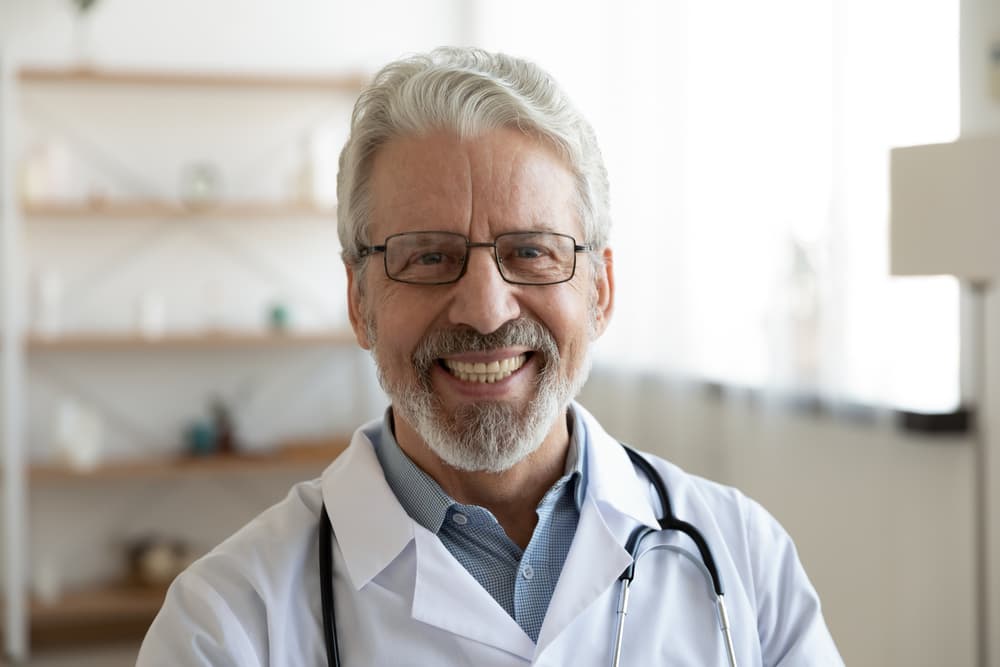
<point>447,596</point>
<point>356,496</point>
<point>613,482</point>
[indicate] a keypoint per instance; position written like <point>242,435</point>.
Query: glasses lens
<point>536,258</point>
<point>425,257</point>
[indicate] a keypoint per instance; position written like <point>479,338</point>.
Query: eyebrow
<point>541,226</point>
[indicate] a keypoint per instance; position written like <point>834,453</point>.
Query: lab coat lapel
<point>445,595</point>
<point>617,501</point>
<point>448,597</point>
<point>370,525</point>
<point>595,561</point>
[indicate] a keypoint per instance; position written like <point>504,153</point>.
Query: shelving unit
<point>227,339</point>
<point>98,615</point>
<point>114,611</point>
<point>349,83</point>
<point>144,209</point>
<point>312,456</point>
<point>120,611</point>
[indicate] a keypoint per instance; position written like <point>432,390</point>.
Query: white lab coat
<point>402,599</point>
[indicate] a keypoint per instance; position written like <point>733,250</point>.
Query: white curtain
<point>747,145</point>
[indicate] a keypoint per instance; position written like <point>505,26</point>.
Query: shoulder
<point>761,565</point>
<point>751,534</point>
<point>724,507</point>
<point>738,527</point>
<point>756,557</point>
<point>226,608</point>
<point>272,547</point>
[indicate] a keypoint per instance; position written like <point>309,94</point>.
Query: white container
<point>47,315</point>
<point>151,315</point>
<point>78,435</point>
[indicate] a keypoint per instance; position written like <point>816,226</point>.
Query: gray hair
<point>467,91</point>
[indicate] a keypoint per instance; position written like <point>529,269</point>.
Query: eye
<point>527,252</point>
<point>428,258</point>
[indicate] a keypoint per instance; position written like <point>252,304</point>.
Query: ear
<point>605,298</point>
<point>355,308</point>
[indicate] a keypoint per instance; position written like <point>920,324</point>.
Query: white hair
<point>466,91</point>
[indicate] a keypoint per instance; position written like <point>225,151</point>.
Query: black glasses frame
<point>367,251</point>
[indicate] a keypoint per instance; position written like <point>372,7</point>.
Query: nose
<point>482,299</point>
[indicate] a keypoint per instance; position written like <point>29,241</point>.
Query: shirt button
<point>459,518</point>
<point>527,572</point>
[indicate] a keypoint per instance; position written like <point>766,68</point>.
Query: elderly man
<point>487,519</point>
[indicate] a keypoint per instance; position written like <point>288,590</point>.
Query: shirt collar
<point>428,504</point>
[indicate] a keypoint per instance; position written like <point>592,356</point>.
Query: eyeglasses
<point>440,258</point>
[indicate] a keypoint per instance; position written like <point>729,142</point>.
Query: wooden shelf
<point>293,456</point>
<point>124,611</point>
<point>111,613</point>
<point>151,208</point>
<point>341,83</point>
<point>102,341</point>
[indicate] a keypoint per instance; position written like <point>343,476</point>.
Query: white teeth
<point>483,372</point>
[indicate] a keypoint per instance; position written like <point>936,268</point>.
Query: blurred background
<point>175,354</point>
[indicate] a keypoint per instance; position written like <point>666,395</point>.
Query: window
<point>750,142</point>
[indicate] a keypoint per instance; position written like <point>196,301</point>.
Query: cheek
<point>400,321</point>
<point>569,317</point>
<point>377,306</point>
<point>584,309</point>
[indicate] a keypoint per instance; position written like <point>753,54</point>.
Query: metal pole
<point>978,330</point>
<point>12,361</point>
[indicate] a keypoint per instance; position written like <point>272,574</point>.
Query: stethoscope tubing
<point>326,589</point>
<point>668,522</point>
<point>720,602</point>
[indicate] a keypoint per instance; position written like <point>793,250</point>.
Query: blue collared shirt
<point>521,581</point>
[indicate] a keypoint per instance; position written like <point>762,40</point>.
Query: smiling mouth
<point>484,373</point>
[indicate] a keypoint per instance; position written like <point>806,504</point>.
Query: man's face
<point>427,340</point>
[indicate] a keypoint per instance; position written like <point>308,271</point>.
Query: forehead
<point>502,180</point>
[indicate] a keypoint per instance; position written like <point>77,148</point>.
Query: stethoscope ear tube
<point>706,553</point>
<point>622,613</point>
<point>727,635</point>
<point>632,546</point>
<point>669,522</point>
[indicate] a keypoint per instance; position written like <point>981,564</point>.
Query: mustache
<point>521,332</point>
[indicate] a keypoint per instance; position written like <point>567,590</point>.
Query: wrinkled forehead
<point>502,180</point>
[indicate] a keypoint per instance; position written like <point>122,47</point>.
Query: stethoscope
<point>667,522</point>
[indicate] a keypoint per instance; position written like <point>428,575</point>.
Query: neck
<point>512,495</point>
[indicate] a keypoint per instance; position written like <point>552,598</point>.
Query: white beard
<point>488,436</point>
